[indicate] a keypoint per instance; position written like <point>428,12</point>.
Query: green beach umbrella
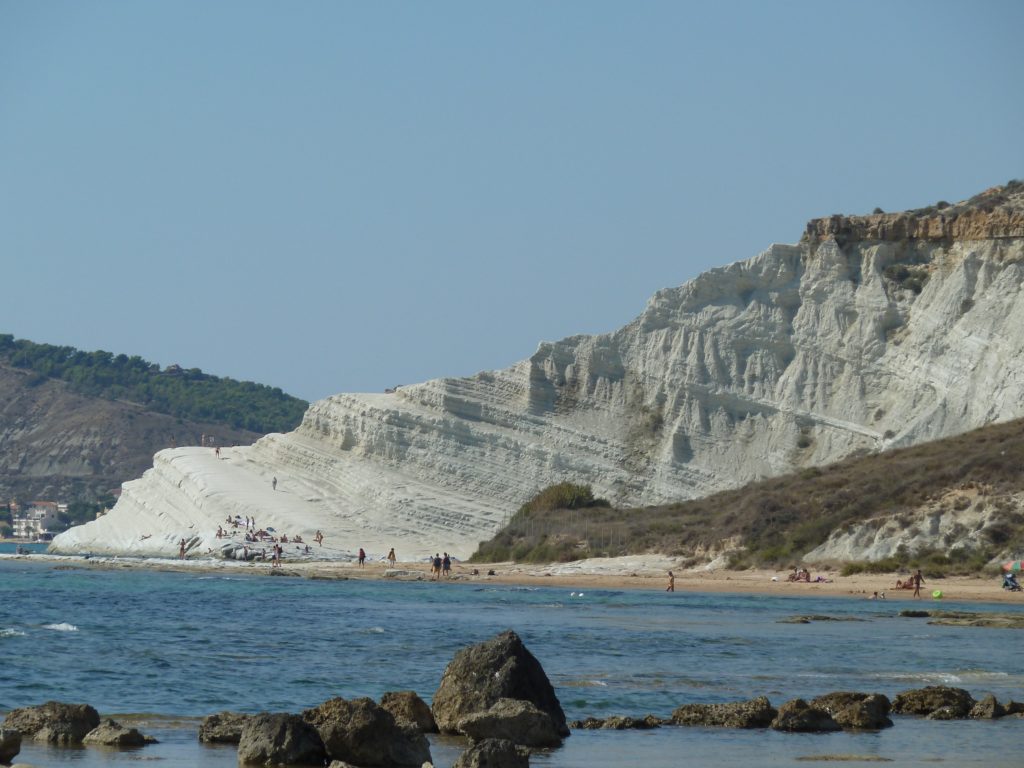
<point>1014,566</point>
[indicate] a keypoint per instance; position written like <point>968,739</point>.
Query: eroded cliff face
<point>866,335</point>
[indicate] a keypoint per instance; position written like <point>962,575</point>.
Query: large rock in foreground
<point>514,720</point>
<point>10,744</point>
<point>494,753</point>
<point>280,739</point>
<point>363,733</point>
<point>54,722</point>
<point>499,668</point>
<point>756,713</point>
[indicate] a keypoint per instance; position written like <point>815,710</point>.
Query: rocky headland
<point>870,333</point>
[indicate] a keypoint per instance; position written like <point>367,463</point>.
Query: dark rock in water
<point>516,720</point>
<point>955,703</point>
<point>10,744</point>
<point>54,722</point>
<point>494,753</point>
<point>618,723</point>
<point>363,733</point>
<point>112,734</point>
<point>280,739</point>
<point>1014,707</point>
<point>499,668</point>
<point>815,617</point>
<point>856,711</point>
<point>756,713</point>
<point>407,707</point>
<point>222,728</point>
<point>987,709</point>
<point>912,614</point>
<point>799,716</point>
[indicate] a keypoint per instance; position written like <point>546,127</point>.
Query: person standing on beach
<point>362,557</point>
<point>918,581</point>
<point>273,484</point>
<point>435,567</point>
<point>181,549</point>
<point>391,557</point>
<point>671,582</point>
<point>446,566</point>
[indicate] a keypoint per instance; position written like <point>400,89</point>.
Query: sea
<point>159,650</point>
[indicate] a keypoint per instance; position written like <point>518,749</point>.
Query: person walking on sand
<point>391,557</point>
<point>362,557</point>
<point>435,567</point>
<point>918,581</point>
<point>446,566</point>
<point>671,582</point>
<point>273,484</point>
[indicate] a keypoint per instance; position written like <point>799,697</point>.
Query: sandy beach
<point>643,572</point>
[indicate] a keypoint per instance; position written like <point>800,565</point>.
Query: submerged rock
<point>939,702</point>
<point>856,711</point>
<point>494,753</point>
<point>799,716</point>
<point>223,728</point>
<point>618,723</point>
<point>499,668</point>
<point>112,734</point>
<point>755,713</point>
<point>54,722</point>
<point>280,739</point>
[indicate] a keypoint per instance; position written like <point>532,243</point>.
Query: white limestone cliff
<point>802,355</point>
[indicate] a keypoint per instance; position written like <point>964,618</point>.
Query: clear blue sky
<point>342,196</point>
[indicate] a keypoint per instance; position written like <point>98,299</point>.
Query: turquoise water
<point>173,647</point>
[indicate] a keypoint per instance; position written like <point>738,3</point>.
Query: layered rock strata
<point>872,332</point>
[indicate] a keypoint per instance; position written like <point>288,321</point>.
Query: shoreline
<point>637,572</point>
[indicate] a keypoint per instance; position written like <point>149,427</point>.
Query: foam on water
<point>62,627</point>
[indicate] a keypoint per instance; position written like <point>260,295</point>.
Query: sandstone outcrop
<point>53,722</point>
<point>515,720</point>
<point>755,713</point>
<point>408,707</point>
<point>280,739</point>
<point>222,728</point>
<point>365,734</point>
<point>480,675</point>
<point>856,711</point>
<point>938,702</point>
<point>800,717</point>
<point>871,333</point>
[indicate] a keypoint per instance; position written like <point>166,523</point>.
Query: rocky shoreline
<point>496,697</point>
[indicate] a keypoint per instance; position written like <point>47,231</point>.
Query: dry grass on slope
<point>778,520</point>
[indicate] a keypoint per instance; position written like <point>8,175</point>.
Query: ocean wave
<point>584,684</point>
<point>62,627</point>
<point>11,633</point>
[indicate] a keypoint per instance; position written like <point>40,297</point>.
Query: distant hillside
<point>953,504</point>
<point>75,425</point>
<point>184,393</point>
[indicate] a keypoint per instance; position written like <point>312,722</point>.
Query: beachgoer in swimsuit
<point>446,566</point>
<point>671,582</point>
<point>362,557</point>
<point>918,581</point>
<point>435,567</point>
<point>391,557</point>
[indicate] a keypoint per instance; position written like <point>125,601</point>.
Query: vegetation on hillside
<point>776,521</point>
<point>184,393</point>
